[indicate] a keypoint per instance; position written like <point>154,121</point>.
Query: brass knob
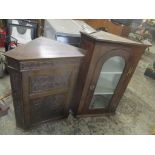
<point>92,87</point>
<point>130,71</point>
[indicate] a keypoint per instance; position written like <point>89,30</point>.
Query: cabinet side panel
<point>88,45</point>
<point>136,54</point>
<point>15,78</point>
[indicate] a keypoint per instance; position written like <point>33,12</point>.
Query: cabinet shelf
<point>111,72</point>
<point>103,93</point>
<point>103,90</point>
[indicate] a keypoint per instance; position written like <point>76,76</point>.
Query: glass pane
<point>109,77</point>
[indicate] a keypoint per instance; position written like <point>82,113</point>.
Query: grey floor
<point>135,113</point>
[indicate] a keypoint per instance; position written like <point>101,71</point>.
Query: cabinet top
<point>43,48</point>
<point>108,37</point>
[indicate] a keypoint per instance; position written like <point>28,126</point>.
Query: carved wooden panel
<point>51,81</point>
<point>47,108</point>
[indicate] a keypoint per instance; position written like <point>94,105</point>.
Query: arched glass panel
<point>109,77</point>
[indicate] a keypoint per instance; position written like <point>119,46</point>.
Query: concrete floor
<point>135,113</point>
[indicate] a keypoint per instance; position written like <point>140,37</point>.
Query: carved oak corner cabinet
<point>43,74</point>
<point>105,72</point>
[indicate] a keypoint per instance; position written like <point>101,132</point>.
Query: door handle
<point>130,71</point>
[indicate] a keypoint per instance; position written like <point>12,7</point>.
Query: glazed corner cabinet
<point>43,74</point>
<point>105,72</point>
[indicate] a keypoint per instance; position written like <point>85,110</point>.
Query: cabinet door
<point>47,93</point>
<point>108,75</point>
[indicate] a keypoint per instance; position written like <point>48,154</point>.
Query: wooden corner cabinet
<point>105,72</point>
<point>43,74</point>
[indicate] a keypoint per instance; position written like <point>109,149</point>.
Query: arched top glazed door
<point>107,82</point>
